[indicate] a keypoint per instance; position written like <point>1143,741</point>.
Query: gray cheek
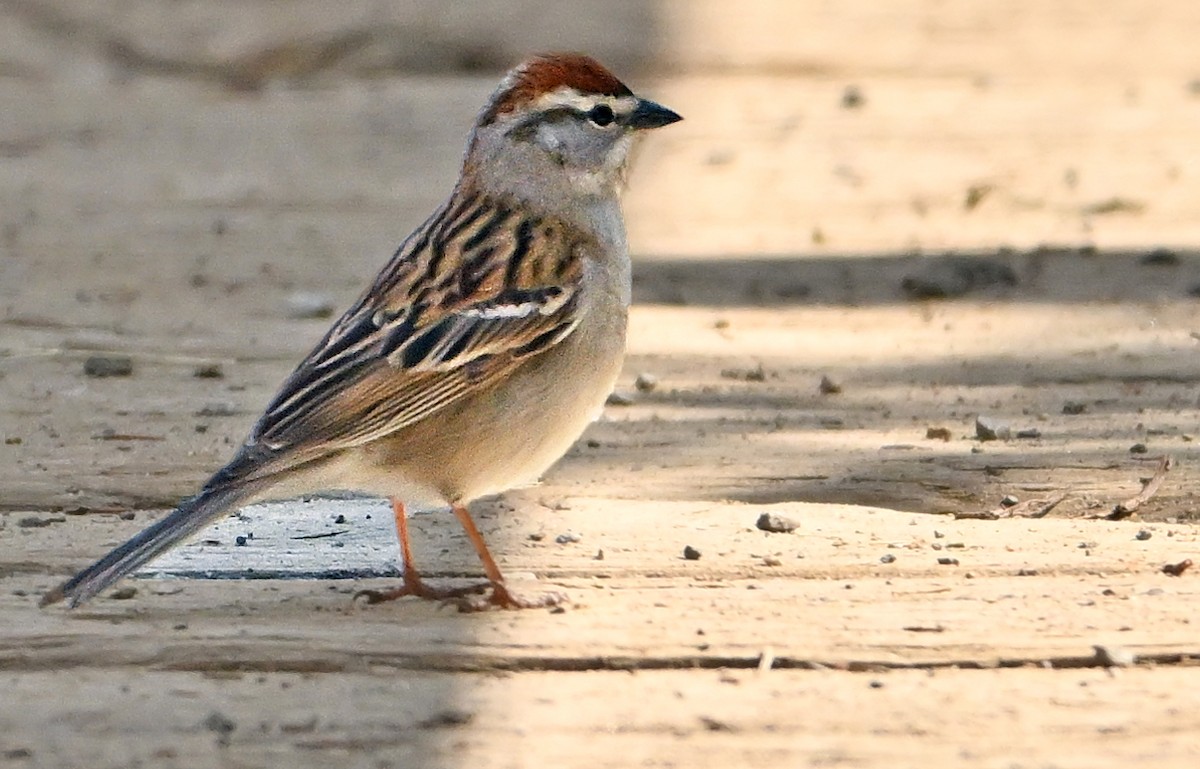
<point>552,143</point>
<point>548,139</point>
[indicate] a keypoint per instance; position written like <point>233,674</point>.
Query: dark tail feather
<point>192,515</point>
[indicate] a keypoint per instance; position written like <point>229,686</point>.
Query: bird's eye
<point>601,115</point>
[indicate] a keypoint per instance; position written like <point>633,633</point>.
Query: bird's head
<point>563,123</point>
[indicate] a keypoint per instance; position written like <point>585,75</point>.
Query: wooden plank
<point>854,587</point>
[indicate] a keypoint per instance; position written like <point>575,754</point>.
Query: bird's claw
<point>503,598</point>
<point>417,588</point>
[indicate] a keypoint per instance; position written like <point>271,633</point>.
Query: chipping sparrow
<point>481,350</point>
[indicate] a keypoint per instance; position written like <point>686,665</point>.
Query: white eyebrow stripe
<point>568,97</point>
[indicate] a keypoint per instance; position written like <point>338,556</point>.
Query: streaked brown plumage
<point>479,352</point>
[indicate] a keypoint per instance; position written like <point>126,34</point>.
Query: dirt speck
<point>104,366</point>
<point>937,433</point>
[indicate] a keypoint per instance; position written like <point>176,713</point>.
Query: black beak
<point>647,114</point>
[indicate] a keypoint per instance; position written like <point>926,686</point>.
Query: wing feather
<point>473,293</point>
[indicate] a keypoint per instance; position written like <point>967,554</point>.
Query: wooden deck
<point>168,202</point>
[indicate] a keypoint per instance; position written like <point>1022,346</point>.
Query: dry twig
<point>1177,569</point>
<point>1149,489</point>
<point>1030,508</point>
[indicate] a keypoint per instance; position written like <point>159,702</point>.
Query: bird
<point>479,353</point>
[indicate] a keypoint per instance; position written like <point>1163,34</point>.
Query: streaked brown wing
<point>472,294</point>
<point>405,380</point>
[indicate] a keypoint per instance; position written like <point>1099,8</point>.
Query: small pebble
<point>1143,535</point>
<point>976,194</point>
<point>645,383</point>
<point>991,429</point>
<point>123,593</point>
<point>691,554</point>
<point>887,558</point>
<point>852,97</point>
<point>447,718</point>
<point>1074,408</point>
<point>239,540</point>
<point>776,524</point>
<point>1138,448</point>
<point>937,433</point>
<point>770,560</point>
<point>536,536</point>
<point>1160,257</point>
<point>221,724</point>
<point>208,371</point>
<point>1009,501</point>
<point>756,374</point>
<point>946,561</point>
<point>1029,433</point>
<point>567,538</point>
<point>618,399</point>
<point>101,366</point>
<point>340,518</point>
<point>828,386</point>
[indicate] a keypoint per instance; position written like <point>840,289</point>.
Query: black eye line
<point>523,130</point>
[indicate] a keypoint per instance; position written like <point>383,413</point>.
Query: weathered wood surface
<point>171,175</point>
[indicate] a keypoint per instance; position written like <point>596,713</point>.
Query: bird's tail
<point>192,515</point>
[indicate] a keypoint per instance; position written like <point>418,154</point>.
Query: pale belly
<point>500,439</point>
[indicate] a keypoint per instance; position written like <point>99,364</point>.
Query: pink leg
<point>501,596</point>
<point>413,584</point>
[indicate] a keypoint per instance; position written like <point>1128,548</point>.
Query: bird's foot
<point>415,586</point>
<point>502,598</point>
